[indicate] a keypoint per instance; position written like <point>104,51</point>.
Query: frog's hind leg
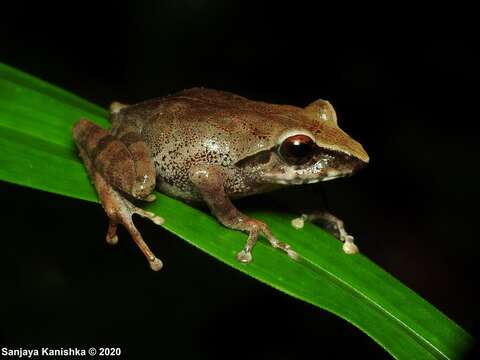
<point>332,224</point>
<point>116,165</point>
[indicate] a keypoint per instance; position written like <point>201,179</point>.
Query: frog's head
<point>311,149</point>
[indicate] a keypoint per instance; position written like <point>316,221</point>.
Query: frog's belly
<point>189,195</point>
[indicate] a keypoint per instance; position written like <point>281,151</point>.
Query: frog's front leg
<point>331,223</point>
<point>209,180</point>
<point>119,163</point>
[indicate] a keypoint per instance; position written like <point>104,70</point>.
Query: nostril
<point>351,164</point>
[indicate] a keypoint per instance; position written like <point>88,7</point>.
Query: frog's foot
<point>299,222</point>
<point>254,228</point>
<point>112,237</point>
<point>120,211</point>
<point>333,224</point>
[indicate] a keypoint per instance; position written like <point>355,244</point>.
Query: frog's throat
<point>293,178</point>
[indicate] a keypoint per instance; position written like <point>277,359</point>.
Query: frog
<point>209,146</point>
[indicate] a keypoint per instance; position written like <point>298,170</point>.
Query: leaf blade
<point>36,120</point>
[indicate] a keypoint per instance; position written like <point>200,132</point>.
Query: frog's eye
<point>297,149</point>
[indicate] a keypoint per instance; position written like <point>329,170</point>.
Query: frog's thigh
<point>142,158</point>
<point>123,161</point>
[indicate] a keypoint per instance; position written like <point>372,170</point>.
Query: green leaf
<point>37,151</point>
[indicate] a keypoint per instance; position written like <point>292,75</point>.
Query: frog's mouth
<point>294,177</point>
<point>321,170</point>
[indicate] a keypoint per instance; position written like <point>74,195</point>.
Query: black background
<point>404,83</point>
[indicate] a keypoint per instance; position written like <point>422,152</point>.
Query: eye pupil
<point>297,149</point>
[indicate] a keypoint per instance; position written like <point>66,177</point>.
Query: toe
<point>298,223</point>
<point>156,264</point>
<point>350,248</point>
<point>244,256</point>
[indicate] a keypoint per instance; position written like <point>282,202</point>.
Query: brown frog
<point>214,146</point>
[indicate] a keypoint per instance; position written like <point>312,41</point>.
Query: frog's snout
<point>357,164</point>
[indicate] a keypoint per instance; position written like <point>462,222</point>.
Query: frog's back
<point>198,114</point>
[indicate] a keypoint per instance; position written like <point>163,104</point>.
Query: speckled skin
<point>208,145</point>
<point>204,126</point>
